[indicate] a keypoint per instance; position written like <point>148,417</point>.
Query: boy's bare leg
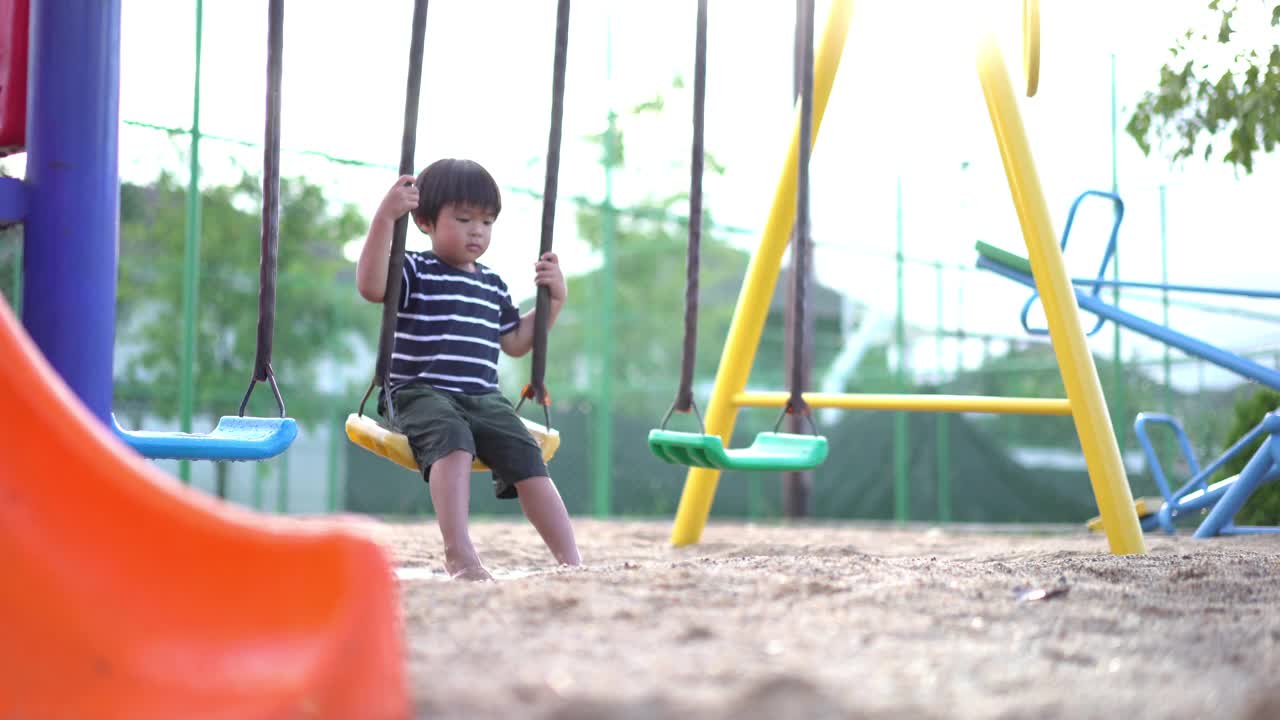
<point>451,497</point>
<point>545,509</point>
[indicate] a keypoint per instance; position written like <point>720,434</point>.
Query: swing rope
<point>684,401</point>
<point>245,438</point>
<point>387,335</point>
<point>536,389</point>
<point>262,371</point>
<point>770,451</point>
<point>796,404</point>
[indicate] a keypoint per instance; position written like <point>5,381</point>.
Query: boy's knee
<point>533,484</point>
<point>454,464</point>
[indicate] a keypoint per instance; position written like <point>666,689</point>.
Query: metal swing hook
<point>801,409</point>
<point>693,405</point>
<point>539,394</point>
<point>270,377</point>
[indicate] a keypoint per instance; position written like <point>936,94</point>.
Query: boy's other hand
<point>400,199</point>
<point>546,273</point>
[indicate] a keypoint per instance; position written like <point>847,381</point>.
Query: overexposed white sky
<point>907,105</point>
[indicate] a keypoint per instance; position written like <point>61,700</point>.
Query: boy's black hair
<point>462,182</point>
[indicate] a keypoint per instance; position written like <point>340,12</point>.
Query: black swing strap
<point>684,395</point>
<point>536,390</point>
<point>262,371</point>
<point>800,249</point>
<point>395,264</point>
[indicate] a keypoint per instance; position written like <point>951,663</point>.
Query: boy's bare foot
<point>476,573</point>
<point>470,573</point>
<point>462,562</point>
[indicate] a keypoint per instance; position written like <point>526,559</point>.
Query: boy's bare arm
<point>519,342</point>
<point>371,269</point>
<point>547,274</point>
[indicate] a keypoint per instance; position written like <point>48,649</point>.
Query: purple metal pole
<point>72,226</point>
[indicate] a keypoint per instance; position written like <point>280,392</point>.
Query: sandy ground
<point>841,622</point>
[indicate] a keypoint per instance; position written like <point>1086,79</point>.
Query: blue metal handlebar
<point>1107,254</point>
<point>1157,472</point>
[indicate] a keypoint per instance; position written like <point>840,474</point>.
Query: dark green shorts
<point>486,426</point>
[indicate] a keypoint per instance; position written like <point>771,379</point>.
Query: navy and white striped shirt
<point>448,326</point>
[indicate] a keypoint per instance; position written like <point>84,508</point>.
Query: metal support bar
<point>1176,287</point>
<point>914,403</point>
<point>1079,374</point>
<point>1259,469</point>
<point>1187,344</point>
<point>72,219</point>
<point>13,200</point>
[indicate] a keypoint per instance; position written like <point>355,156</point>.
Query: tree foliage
<point>1198,98</point>
<point>649,296</point>
<point>649,242</point>
<point>315,310</point>
<point>10,264</point>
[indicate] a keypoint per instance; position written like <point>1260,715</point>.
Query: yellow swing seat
<point>379,440</point>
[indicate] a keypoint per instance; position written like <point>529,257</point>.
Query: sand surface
<point>841,622</point>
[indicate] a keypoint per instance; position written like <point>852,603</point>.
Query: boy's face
<point>461,234</point>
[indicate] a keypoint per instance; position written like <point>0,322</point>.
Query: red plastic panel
<point>14,19</point>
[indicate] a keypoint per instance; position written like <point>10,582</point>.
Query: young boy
<point>454,316</point>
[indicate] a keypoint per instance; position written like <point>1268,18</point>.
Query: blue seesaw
<point>1224,498</point>
<point>1198,494</point>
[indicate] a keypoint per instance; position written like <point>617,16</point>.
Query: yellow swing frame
<point>1084,402</point>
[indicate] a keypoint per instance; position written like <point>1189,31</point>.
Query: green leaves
<point>1190,107</point>
<point>647,284</point>
<point>316,308</point>
<point>1224,29</point>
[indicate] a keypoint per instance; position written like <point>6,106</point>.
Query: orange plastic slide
<point>124,594</point>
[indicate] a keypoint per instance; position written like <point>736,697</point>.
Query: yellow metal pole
<point>762,274</point>
<point>914,403</point>
<point>1079,375</point>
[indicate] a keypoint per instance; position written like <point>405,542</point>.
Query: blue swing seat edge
<point>234,438</point>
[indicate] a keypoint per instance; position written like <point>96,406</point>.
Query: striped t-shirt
<point>448,326</point>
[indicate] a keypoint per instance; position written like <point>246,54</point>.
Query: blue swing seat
<point>234,438</point>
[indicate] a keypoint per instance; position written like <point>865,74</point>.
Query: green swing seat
<point>769,452</point>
